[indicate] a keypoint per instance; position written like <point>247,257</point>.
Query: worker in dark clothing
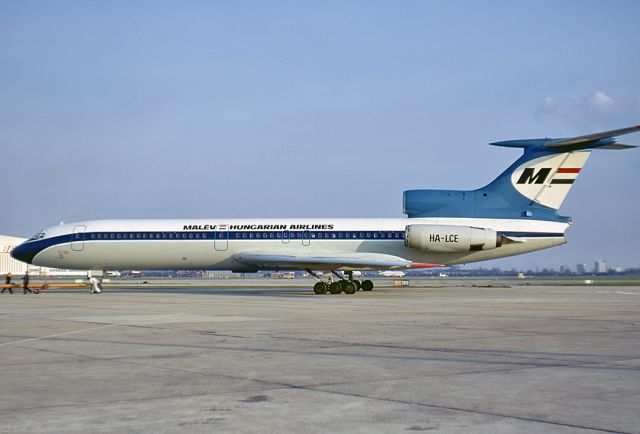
<point>25,283</point>
<point>7,281</point>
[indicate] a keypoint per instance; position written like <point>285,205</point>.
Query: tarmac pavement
<point>280,359</point>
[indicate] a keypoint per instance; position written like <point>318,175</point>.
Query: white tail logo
<point>547,180</point>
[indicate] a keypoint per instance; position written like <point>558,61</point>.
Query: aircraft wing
<point>329,261</point>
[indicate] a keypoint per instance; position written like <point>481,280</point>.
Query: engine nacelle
<point>451,239</point>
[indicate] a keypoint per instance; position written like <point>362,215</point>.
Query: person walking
<point>25,283</point>
<point>7,281</point>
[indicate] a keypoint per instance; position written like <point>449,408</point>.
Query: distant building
<point>581,268</point>
<point>10,265</point>
<point>600,267</point>
<point>565,269</point>
<point>7,263</point>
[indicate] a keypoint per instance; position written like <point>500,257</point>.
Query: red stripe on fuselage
<point>418,265</point>
<point>569,170</point>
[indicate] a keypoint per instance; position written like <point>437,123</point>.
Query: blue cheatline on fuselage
<point>27,251</point>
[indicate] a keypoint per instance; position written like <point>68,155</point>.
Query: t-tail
<point>533,187</point>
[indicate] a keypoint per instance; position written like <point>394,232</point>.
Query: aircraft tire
<point>335,288</point>
<point>358,285</point>
<point>367,285</point>
<point>320,288</point>
<point>349,288</point>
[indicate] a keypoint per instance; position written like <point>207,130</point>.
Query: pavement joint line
<point>55,335</point>
<point>522,365</point>
<point>339,344</point>
<point>468,410</point>
<point>559,362</point>
<point>336,344</point>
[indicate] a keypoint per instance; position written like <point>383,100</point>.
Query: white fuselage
<point>212,244</point>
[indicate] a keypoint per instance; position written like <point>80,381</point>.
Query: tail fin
<point>546,180</point>
<point>534,186</point>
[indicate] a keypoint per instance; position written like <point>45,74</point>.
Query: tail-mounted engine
<point>451,239</point>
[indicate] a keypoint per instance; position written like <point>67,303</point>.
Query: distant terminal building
<point>581,268</point>
<point>600,267</point>
<point>10,265</point>
<point>7,263</point>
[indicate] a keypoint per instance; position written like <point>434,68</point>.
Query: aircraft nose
<point>24,252</point>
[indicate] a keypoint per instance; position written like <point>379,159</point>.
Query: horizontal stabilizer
<point>592,138</point>
<point>602,140</point>
<point>617,146</point>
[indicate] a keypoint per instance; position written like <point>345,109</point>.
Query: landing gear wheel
<point>320,288</point>
<point>358,284</point>
<point>335,288</point>
<point>349,288</point>
<point>367,285</point>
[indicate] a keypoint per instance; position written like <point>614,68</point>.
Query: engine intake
<point>451,239</point>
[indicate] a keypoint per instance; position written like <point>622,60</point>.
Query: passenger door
<point>221,242</point>
<point>77,238</point>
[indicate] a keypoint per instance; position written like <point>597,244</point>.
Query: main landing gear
<point>341,285</point>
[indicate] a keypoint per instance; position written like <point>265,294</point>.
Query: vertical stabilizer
<point>533,187</point>
<point>547,180</point>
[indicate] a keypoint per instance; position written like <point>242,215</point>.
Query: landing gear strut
<point>335,287</point>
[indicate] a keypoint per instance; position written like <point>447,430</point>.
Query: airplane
<point>515,213</point>
<point>392,273</point>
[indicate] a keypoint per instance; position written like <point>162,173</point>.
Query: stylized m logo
<point>529,177</point>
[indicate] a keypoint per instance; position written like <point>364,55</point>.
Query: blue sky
<point>304,109</point>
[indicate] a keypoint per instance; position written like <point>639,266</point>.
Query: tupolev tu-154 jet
<point>516,213</point>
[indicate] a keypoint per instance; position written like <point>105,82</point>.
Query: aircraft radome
<point>516,213</point>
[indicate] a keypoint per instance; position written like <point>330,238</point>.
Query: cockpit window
<point>38,236</point>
